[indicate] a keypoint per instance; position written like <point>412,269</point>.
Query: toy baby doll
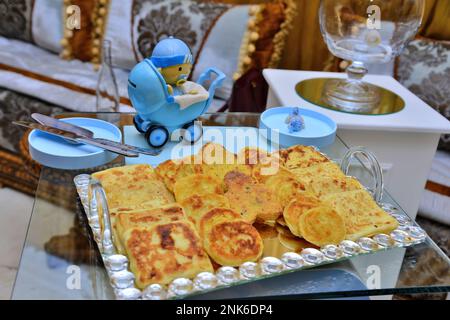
<point>173,58</point>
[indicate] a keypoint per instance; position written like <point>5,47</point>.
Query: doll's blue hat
<point>169,52</point>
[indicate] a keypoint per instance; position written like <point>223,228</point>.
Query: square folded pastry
<point>164,252</point>
<point>362,216</point>
<point>127,220</point>
<point>131,185</point>
<point>325,169</point>
<point>199,184</point>
<point>322,186</point>
<point>301,157</point>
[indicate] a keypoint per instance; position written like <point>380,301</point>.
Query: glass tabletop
<point>60,259</point>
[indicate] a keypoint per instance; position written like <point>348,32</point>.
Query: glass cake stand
<point>60,260</point>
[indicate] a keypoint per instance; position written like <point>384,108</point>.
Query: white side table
<point>404,142</point>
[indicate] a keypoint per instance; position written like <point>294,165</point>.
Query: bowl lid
<point>56,152</point>
<point>319,130</point>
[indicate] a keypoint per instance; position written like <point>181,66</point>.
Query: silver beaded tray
<point>93,199</point>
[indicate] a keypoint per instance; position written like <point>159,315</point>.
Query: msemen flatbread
<point>362,216</point>
<point>322,226</point>
<point>323,186</point>
<point>164,252</point>
<point>131,185</point>
<point>148,217</point>
<point>231,243</point>
<point>301,157</point>
<point>296,208</point>
<point>196,206</point>
<point>156,209</point>
<point>325,169</point>
<point>198,184</point>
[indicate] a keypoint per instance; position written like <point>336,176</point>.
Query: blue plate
<point>319,131</point>
<point>55,152</point>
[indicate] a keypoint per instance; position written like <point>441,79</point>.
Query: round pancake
<point>232,243</point>
<point>214,216</point>
<point>233,178</point>
<point>322,226</point>
<point>199,184</point>
<point>196,206</point>
<point>296,208</point>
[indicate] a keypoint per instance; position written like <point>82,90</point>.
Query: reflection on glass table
<point>60,260</point>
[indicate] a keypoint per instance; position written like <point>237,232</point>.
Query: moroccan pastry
<point>196,206</point>
<point>213,153</point>
<point>167,171</point>
<point>214,216</point>
<point>296,208</point>
<point>322,226</point>
<point>130,185</point>
<point>362,216</point>
<point>323,186</point>
<point>231,243</point>
<point>301,157</point>
<point>325,169</point>
<point>285,187</point>
<point>155,209</point>
<point>252,156</point>
<point>164,252</point>
<point>199,184</point>
<point>253,201</point>
<point>148,217</point>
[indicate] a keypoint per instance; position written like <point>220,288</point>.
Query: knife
<point>55,123</point>
<point>76,138</point>
<point>58,124</point>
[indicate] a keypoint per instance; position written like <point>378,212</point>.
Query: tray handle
<point>99,204</point>
<point>374,168</point>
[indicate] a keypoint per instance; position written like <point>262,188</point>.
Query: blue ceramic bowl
<point>319,131</point>
<point>56,152</point>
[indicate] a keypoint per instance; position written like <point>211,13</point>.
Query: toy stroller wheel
<point>192,132</point>
<point>136,124</point>
<point>157,136</point>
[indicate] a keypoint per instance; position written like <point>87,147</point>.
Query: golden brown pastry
<point>253,201</point>
<point>323,186</point>
<point>301,157</point>
<point>362,216</point>
<point>296,208</point>
<point>325,169</point>
<point>322,226</point>
<point>196,184</point>
<point>231,243</point>
<point>164,252</point>
<point>214,216</point>
<point>196,206</point>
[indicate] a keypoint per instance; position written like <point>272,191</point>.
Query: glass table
<point>60,260</point>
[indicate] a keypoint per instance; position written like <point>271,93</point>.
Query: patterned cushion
<point>424,69</point>
<point>15,19</point>
<point>36,21</point>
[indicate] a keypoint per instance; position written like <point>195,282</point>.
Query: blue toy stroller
<point>160,114</point>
